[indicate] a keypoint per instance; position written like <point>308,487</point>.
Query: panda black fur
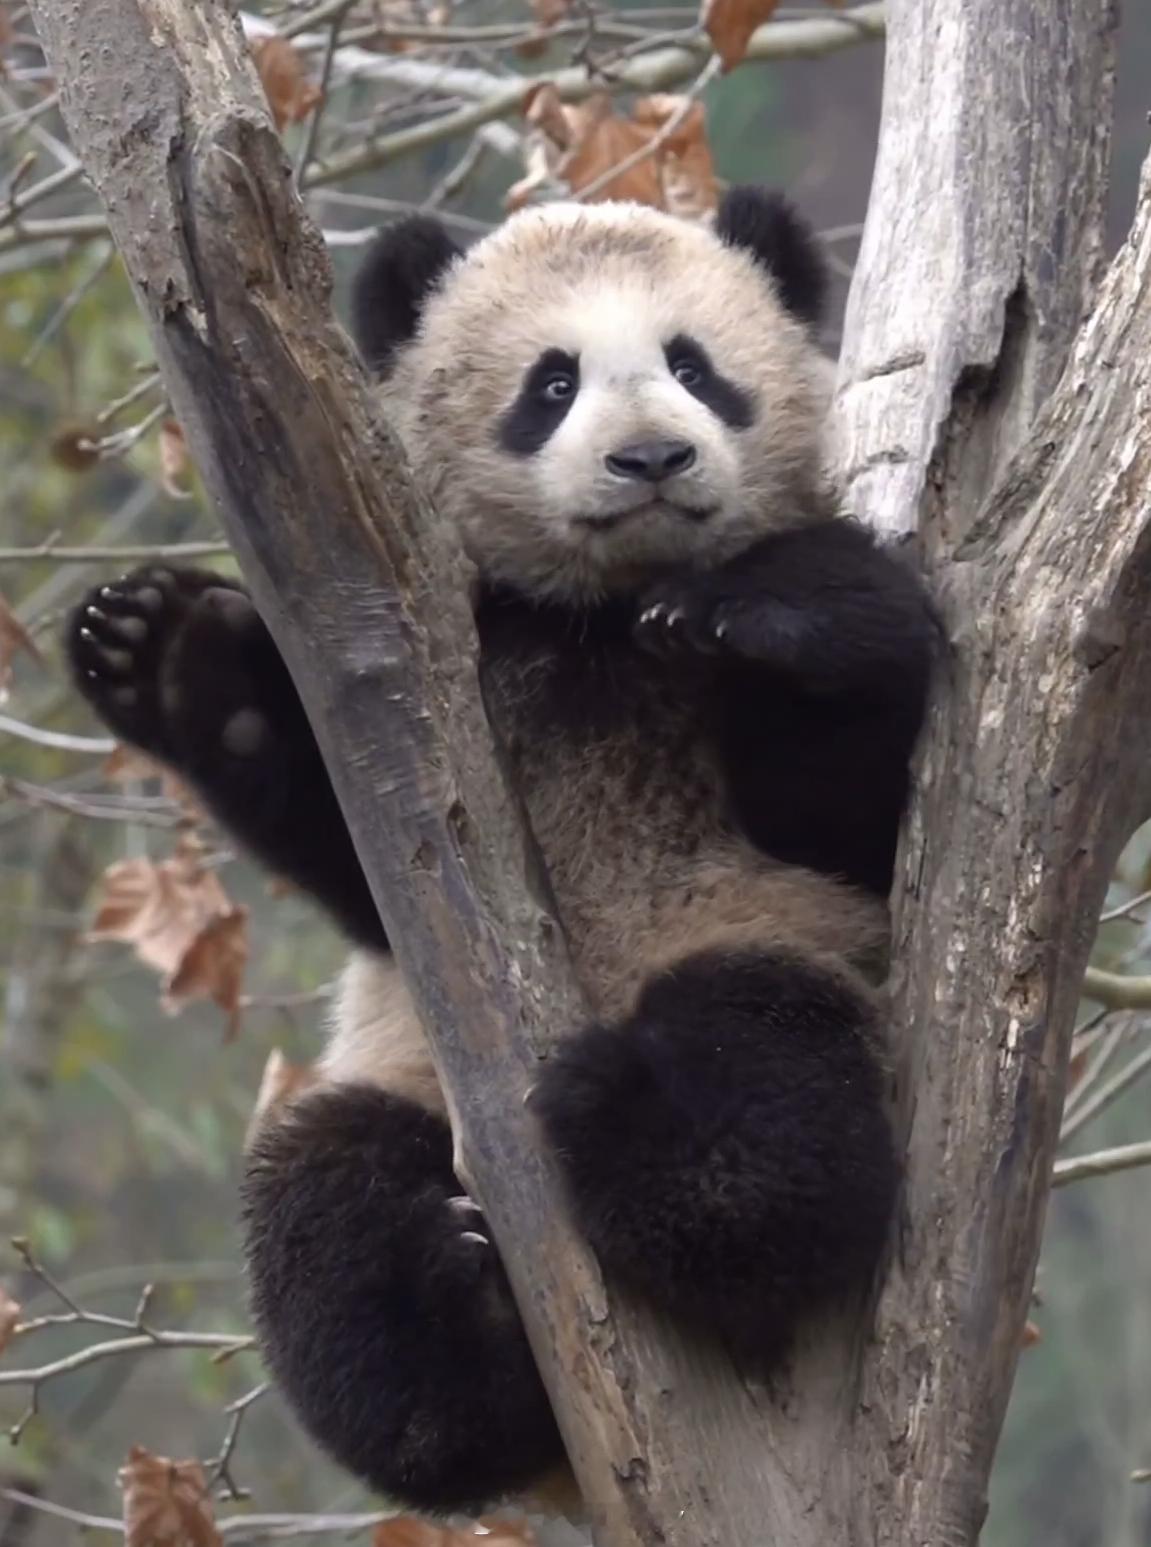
<point>710,686</point>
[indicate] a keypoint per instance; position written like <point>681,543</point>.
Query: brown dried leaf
<point>175,463</point>
<point>687,172</point>
<point>177,917</point>
<point>10,1312</point>
<point>1031,1335</point>
<point>14,637</point>
<point>580,144</point>
<point>166,1503</point>
<point>279,1083</point>
<point>730,23</point>
<point>283,75</point>
<point>213,968</point>
<point>407,1531</point>
<point>76,447</point>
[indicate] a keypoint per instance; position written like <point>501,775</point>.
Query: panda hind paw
<point>124,638</point>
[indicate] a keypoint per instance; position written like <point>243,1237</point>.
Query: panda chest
<point>613,755</point>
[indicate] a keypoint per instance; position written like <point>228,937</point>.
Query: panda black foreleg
<point>177,662</point>
<point>383,1310</point>
<point>726,1146</point>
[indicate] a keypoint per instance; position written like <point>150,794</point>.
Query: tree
<point>976,405</point>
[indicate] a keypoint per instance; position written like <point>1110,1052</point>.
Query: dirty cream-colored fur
<point>612,284</point>
<point>632,826</point>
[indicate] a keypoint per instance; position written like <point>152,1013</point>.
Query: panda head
<point>595,393</point>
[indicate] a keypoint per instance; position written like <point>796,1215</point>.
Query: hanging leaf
<point>178,919</point>
<point>690,189</point>
<point>10,1312</point>
<point>166,1503</point>
<point>284,77</point>
<point>576,147</point>
<point>730,24</point>
<point>213,967</point>
<point>280,1081</point>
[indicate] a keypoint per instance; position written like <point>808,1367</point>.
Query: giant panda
<point>709,684</point>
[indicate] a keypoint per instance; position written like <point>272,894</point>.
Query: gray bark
<point>1031,773</point>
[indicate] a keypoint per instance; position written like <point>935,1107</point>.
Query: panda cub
<point>709,685</point>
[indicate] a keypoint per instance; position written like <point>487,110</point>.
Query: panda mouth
<point>609,521</point>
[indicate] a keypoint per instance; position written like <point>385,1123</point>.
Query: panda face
<point>596,394</point>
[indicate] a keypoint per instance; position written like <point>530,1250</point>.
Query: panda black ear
<point>398,273</point>
<point>765,225</point>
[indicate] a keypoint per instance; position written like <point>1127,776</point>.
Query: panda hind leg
<point>177,661</point>
<point>726,1147</point>
<point>382,1307</point>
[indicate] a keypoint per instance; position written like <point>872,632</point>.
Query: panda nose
<point>651,461</point>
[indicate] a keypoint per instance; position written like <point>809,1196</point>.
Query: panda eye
<point>558,387</point>
<point>689,373</point>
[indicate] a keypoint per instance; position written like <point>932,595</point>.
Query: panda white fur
<point>709,685</point>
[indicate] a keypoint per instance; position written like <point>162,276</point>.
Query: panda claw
<point>465,1205</point>
<point>473,1237</point>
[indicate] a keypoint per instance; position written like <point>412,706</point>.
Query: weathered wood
<point>981,250</point>
<point>1037,766</point>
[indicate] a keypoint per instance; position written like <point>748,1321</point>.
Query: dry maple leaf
<point>407,1531</point>
<point>690,189</point>
<point>175,463</point>
<point>177,917</point>
<point>213,968</point>
<point>280,1081</point>
<point>14,637</point>
<point>9,1318</point>
<point>730,24</point>
<point>283,75</point>
<point>166,1503</point>
<point>581,144</point>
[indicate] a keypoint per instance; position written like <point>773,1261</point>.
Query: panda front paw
<point>142,648</point>
<point>709,615</point>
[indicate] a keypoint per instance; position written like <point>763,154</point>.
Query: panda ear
<point>398,273</point>
<point>765,225</point>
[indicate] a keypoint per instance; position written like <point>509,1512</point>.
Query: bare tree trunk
<point>1030,773</point>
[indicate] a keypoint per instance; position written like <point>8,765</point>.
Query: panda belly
<point>627,805</point>
<point>646,872</point>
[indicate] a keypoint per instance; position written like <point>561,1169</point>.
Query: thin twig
<point>141,1337</point>
<point>127,553</point>
<point>1107,1093</point>
<point>312,133</point>
<point>1082,1167</point>
<point>61,740</point>
<point>219,1469</point>
<point>235,1528</point>
<point>1117,990</point>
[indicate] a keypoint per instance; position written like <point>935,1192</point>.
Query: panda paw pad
<point>122,635</point>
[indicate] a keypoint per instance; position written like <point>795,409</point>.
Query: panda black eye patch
<point>548,391</point>
<point>691,366</point>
